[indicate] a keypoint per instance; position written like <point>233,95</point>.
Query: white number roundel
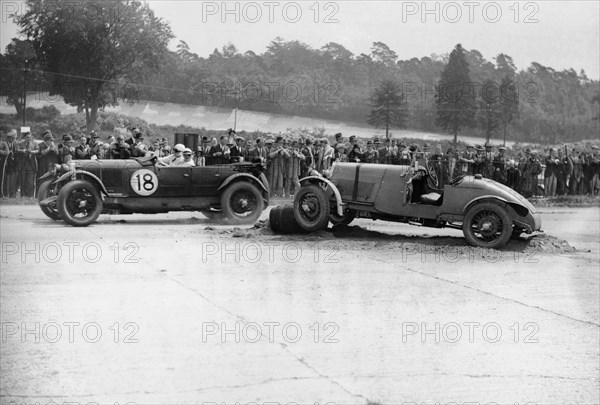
<point>144,182</point>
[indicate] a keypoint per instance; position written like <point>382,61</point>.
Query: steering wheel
<point>432,174</point>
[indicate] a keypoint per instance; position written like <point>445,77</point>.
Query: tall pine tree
<point>455,98</point>
<point>389,108</point>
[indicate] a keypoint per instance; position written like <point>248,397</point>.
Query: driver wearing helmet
<point>174,159</point>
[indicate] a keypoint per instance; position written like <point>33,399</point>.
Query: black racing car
<point>80,191</point>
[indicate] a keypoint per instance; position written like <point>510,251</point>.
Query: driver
<point>175,159</point>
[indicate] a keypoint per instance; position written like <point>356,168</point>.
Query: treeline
<point>333,83</point>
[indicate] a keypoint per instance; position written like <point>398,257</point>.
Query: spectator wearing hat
<point>386,154</point>
<point>308,164</point>
<point>139,148</point>
<point>48,153</point>
<point>203,153</point>
<point>550,179</point>
<point>513,175</point>
<point>10,172</point>
<point>353,141</point>
<point>479,160</point>
<point>450,160</point>
<point>220,152</point>
<point>562,170</point>
<point>119,149</point>
<point>371,155</point>
<point>594,163</point>
<point>339,138</point>
<point>325,157</point>
<point>95,146</point>
<point>82,150</point>
<point>487,169</point>
<point>355,155</point>
<point>27,152</point>
<point>278,155</point>
<point>404,156</point>
<point>467,160</point>
<point>293,167</point>
<point>531,170</point>
<point>66,149</point>
<point>499,163</point>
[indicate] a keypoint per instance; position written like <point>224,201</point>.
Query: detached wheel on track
<point>242,203</point>
<point>45,191</point>
<point>79,203</point>
<point>311,208</point>
<point>487,225</point>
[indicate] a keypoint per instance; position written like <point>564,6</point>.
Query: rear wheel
<point>311,208</point>
<point>487,225</point>
<point>242,203</point>
<point>345,219</point>
<point>46,190</point>
<point>79,203</point>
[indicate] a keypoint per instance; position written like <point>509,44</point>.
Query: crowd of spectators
<point>554,172</point>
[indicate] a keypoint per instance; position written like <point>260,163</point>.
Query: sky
<point>559,34</point>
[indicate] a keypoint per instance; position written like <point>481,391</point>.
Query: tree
<point>18,56</point>
<point>93,50</point>
<point>489,112</point>
<point>388,107</point>
<point>454,98</point>
<point>509,103</point>
<point>383,54</point>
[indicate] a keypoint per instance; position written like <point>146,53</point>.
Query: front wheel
<point>242,203</point>
<point>487,225</point>
<point>46,190</point>
<point>79,203</point>
<point>311,208</point>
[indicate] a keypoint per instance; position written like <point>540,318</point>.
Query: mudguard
<point>247,175</point>
<point>85,173</point>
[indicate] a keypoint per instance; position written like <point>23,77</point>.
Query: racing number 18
<point>147,184</point>
<point>144,182</point>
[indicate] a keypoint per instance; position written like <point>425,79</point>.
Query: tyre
<point>345,219</point>
<point>487,225</point>
<point>311,208</point>
<point>79,203</point>
<point>242,203</point>
<point>45,191</point>
<point>282,220</point>
<point>210,214</point>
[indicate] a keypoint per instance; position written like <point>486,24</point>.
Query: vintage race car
<point>487,212</point>
<point>80,191</point>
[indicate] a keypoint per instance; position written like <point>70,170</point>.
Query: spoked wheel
<point>487,225</point>
<point>242,203</point>
<point>79,203</point>
<point>311,208</point>
<point>46,190</point>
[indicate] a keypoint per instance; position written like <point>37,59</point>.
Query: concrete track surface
<point>174,309</point>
